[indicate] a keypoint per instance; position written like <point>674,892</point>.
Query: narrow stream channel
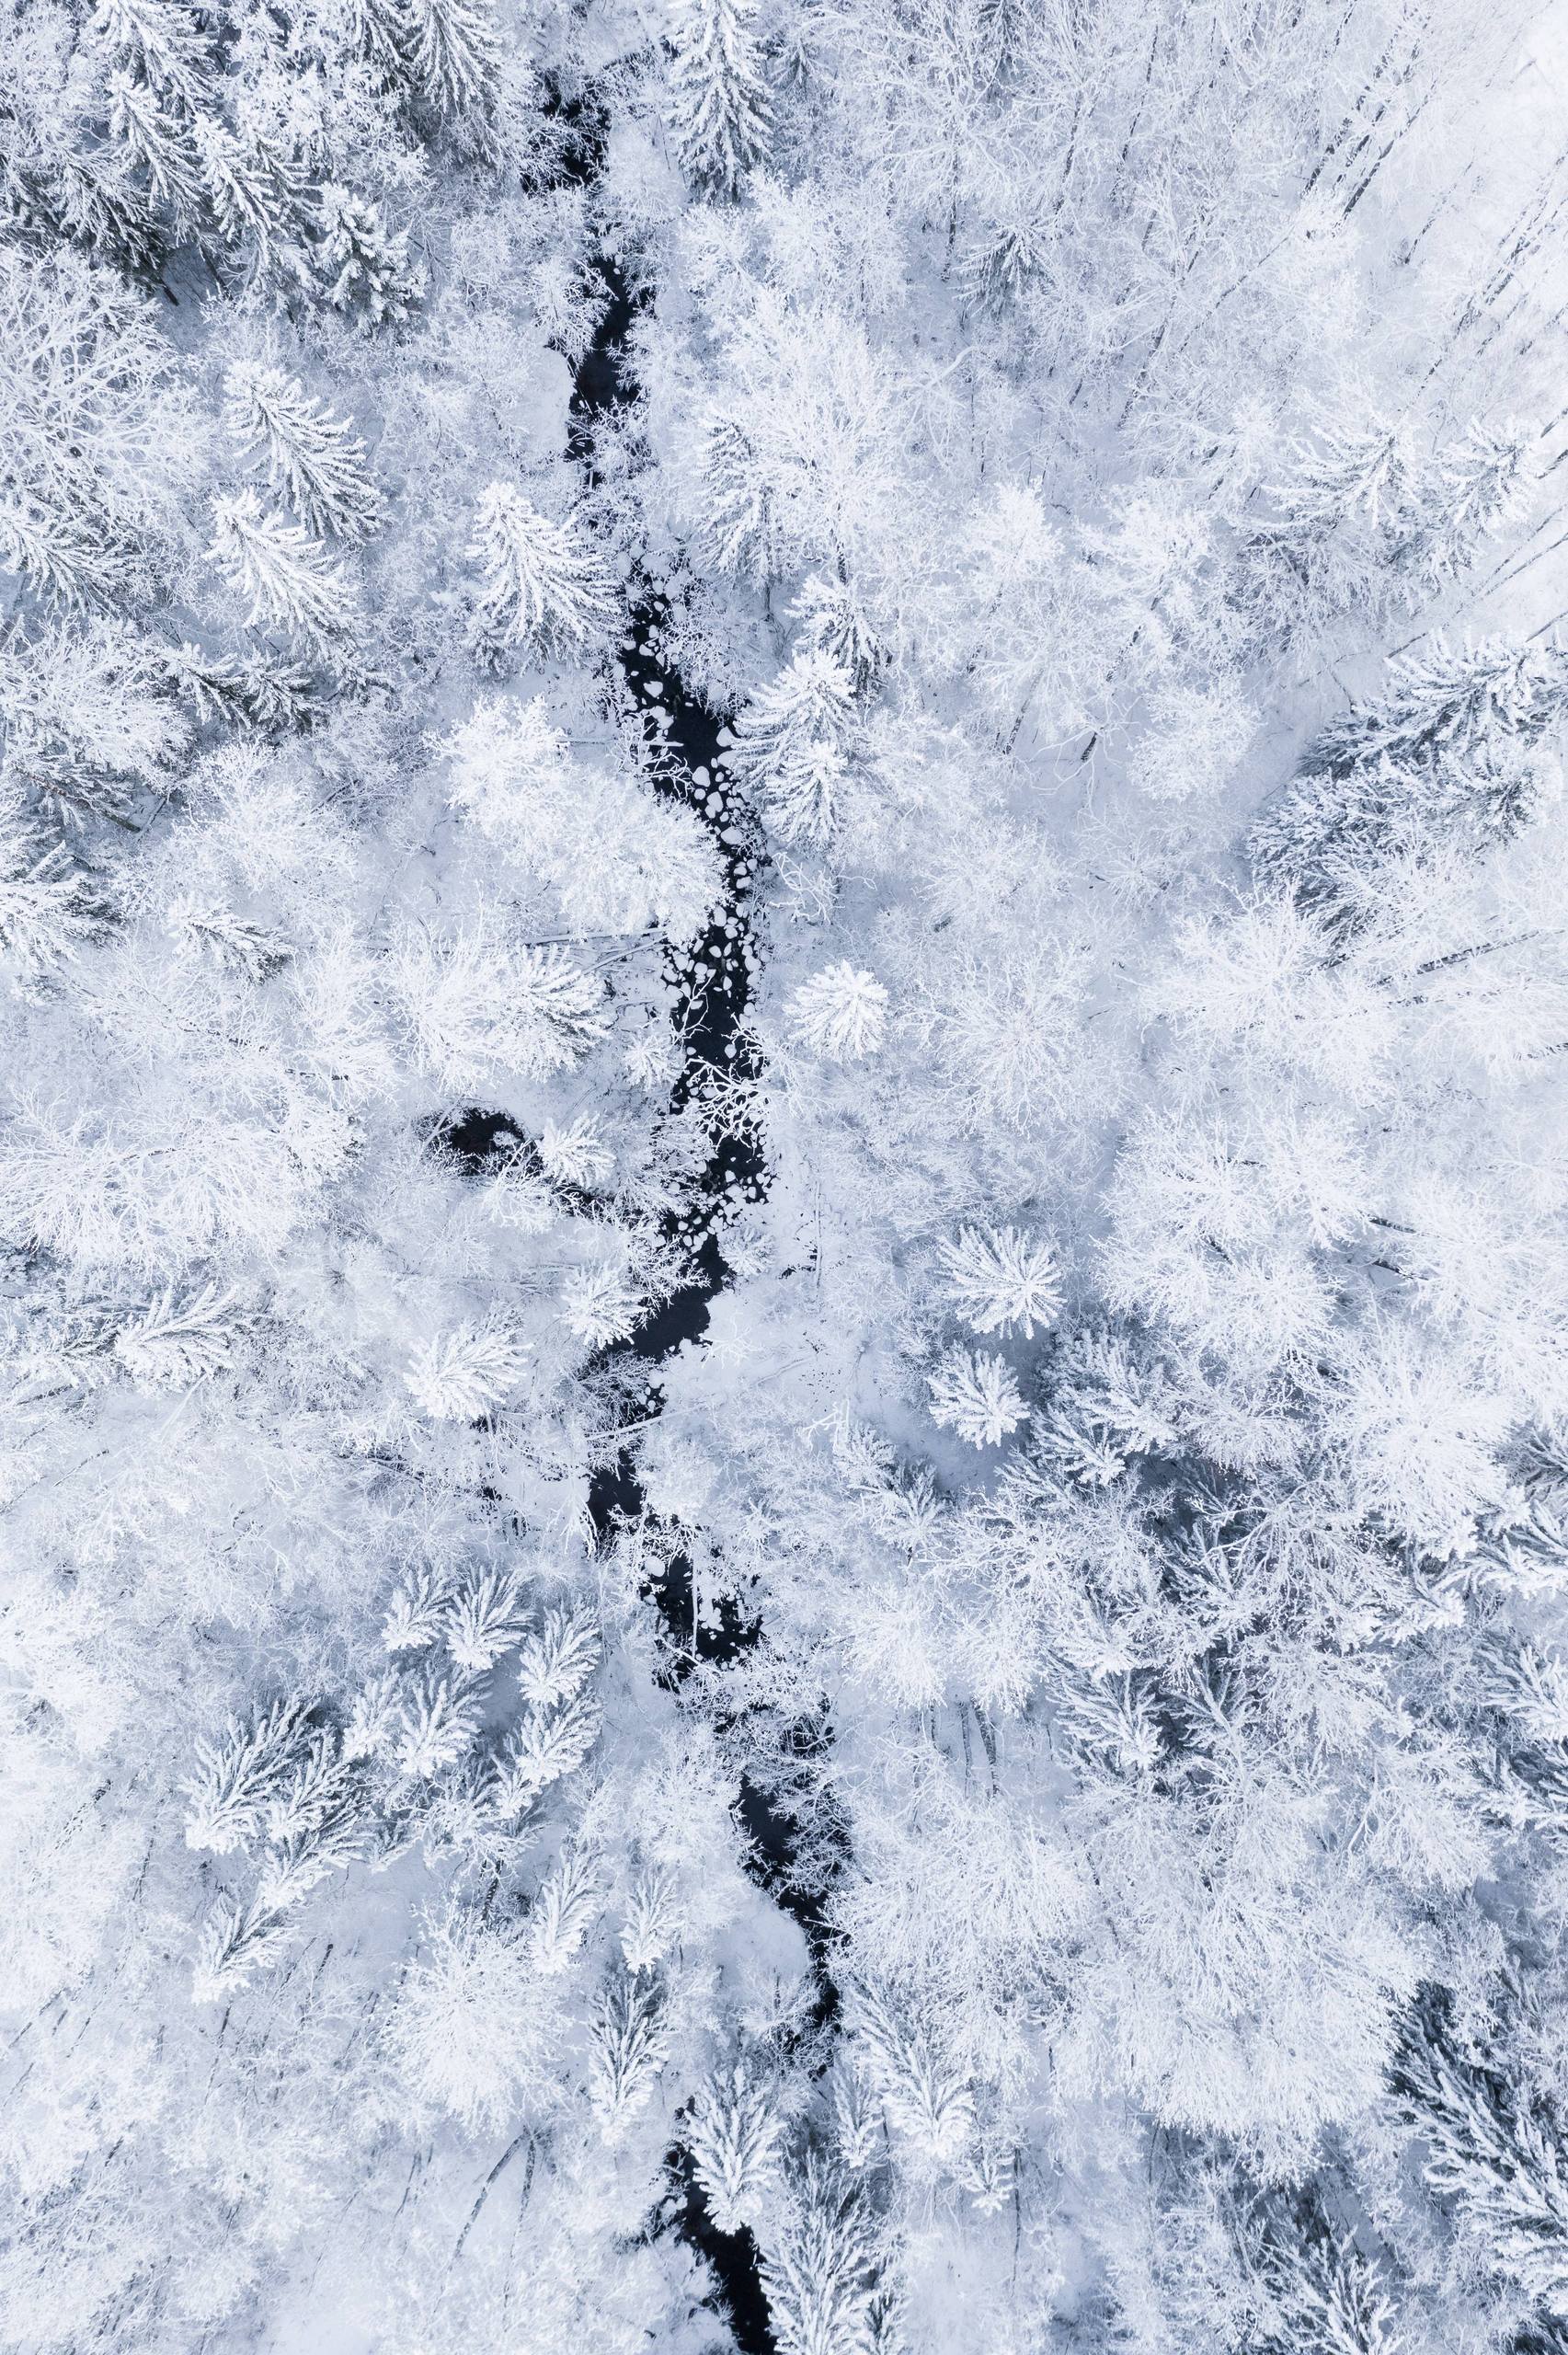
<point>711,1004</point>
<point>713,988</point>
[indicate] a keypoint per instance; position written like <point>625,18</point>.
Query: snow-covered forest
<point>783,1176</point>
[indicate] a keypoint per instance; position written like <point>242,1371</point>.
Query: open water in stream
<point>713,994</point>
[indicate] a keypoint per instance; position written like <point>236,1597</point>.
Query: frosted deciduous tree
<point>470,2033</point>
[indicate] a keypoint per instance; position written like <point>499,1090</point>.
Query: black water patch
<point>601,379</point>
<point>731,2256</point>
<point>714,1639</point>
<point>682,1314</point>
<point>771,1824</point>
<point>614,1495</point>
<point>574,131</point>
<point>482,1141</point>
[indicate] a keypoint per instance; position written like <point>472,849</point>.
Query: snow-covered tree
<point>451,54</point>
<point>1487,2152</point>
<point>460,1376</point>
<point>313,461</point>
<point>718,101</point>
<point>258,200</point>
<point>158,145</point>
<point>734,2138</point>
<point>469,2034</point>
<point>239,1774</point>
<point>291,581</point>
<point>628,2048</point>
<point>48,908</point>
<point>1445,755</point>
<point>819,2273</point>
<point>541,582</point>
<point>1482,483</point>
<point>1001,1281</point>
<point>974,1394</point>
<point>365,268</point>
<point>840,1013</point>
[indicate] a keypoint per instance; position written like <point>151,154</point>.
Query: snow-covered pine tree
<point>653,1922</point>
<point>237,1942</point>
<point>565,1907</point>
<point>233,942</point>
<point>484,1619</point>
<point>820,2271</point>
<point>381,32</point>
<point>158,145</point>
<point>734,2138</point>
<point>1481,485</point>
<point>926,2096</point>
<point>719,110</point>
<point>65,563</point>
<point>973,1394</point>
<point>237,1776</point>
<point>627,2050</point>
<point>1001,1281</point>
<point>1443,756</point>
<point>291,581</point>
<point>273,695</point>
<point>1361,475</point>
<point>94,200</point>
<point>789,744</point>
<point>416,1615</point>
<point>840,1013</point>
<point>1487,2151</point>
<point>257,197</point>
<point>452,51</point>
<point>474,1003</point>
<point>313,460</point>
<point>551,1739</point>
<point>833,621</point>
<point>364,266</point>
<point>742,530</point>
<point>559,1656</point>
<point>600,1305</point>
<point>458,1376</point>
<point>1345,506</point>
<point>1332,2300</point>
<point>542,583</point>
<point>162,45</point>
<point>172,1342</point>
<point>437,1725</point>
<point>49,906</point>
